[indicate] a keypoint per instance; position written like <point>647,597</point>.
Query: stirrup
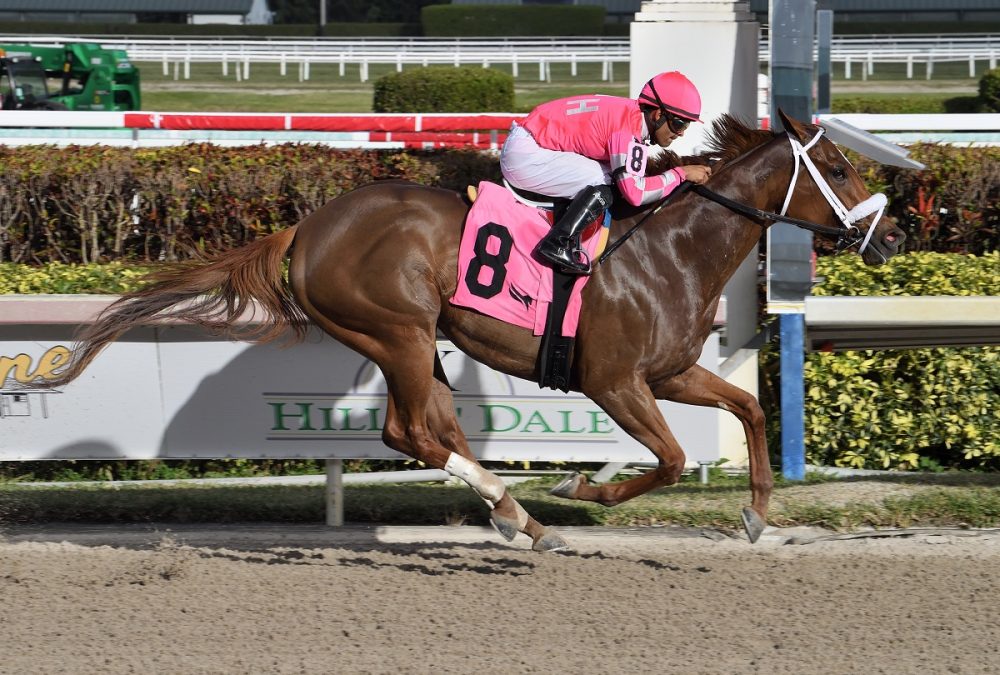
<point>566,259</point>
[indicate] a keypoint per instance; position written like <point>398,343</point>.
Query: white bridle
<point>874,204</point>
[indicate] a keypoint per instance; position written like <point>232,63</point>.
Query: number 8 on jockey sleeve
<point>575,147</point>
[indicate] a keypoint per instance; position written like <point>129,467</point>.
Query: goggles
<point>676,123</point>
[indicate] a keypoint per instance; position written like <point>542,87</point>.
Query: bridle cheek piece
<point>874,204</point>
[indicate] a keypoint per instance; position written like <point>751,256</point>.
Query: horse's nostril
<point>891,238</point>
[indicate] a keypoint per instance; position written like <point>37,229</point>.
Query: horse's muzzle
<point>885,243</point>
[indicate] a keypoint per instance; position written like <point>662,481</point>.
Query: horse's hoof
<point>505,526</point>
<point>567,488</point>
<point>753,524</point>
<point>549,541</point>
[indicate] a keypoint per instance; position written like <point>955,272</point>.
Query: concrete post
<point>714,43</point>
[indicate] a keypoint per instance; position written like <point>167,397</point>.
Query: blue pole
<point>793,426</point>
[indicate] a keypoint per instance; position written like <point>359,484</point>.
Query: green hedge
<point>898,104</point>
<point>107,278</point>
<point>444,89</point>
<point>77,204</point>
<point>512,20</point>
<point>989,91</point>
<point>915,408</point>
<point>95,204</point>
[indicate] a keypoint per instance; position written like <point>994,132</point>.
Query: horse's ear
<point>794,127</point>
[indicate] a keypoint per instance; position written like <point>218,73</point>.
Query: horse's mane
<point>729,138</point>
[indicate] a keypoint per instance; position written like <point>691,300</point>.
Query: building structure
<point>134,11</point>
<point>845,11</point>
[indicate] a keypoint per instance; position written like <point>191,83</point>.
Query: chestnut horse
<point>375,269</point>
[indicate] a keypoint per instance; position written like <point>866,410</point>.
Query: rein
<point>842,233</point>
<point>847,233</point>
<point>679,190</point>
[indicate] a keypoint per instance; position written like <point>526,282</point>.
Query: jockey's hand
<point>697,173</point>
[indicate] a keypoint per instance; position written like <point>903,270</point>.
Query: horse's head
<point>827,189</point>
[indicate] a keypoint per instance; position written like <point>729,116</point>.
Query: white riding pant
<point>529,166</point>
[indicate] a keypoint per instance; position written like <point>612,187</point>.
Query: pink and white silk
<point>609,130</point>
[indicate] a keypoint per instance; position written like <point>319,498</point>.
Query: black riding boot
<point>561,246</point>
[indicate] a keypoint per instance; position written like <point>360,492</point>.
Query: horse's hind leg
<point>421,422</point>
<point>507,515</point>
<point>698,386</point>
<point>632,406</point>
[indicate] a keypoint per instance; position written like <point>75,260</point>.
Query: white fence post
<point>283,69</point>
<point>246,67</point>
<point>847,67</point>
<point>930,65</point>
<point>541,70</point>
<point>972,65</point>
<point>187,67</point>
<point>993,60</point>
<point>909,66</point>
<point>513,66</point>
<point>335,492</point>
<point>305,70</point>
<point>572,65</point>
<point>166,65</point>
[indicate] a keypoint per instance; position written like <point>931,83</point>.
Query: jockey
<point>575,147</point>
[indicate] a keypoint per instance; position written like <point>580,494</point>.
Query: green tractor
<point>76,76</point>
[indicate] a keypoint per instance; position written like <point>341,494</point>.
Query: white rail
<point>861,52</point>
<point>389,131</point>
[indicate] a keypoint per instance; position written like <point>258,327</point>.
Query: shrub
<point>91,204</point>
<point>445,89</point>
<point>905,408</point>
<point>952,206</point>
<point>989,90</point>
<point>512,20</point>
<point>109,278</point>
<point>891,104</point>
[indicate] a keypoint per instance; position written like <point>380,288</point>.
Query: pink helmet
<point>674,93</point>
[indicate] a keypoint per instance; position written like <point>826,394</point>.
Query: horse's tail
<point>214,294</point>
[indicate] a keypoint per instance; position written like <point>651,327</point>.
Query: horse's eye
<point>838,173</point>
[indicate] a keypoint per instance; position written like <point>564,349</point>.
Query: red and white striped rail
<point>388,130</point>
<point>479,130</point>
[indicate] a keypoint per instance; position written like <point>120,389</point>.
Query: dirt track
<point>298,599</point>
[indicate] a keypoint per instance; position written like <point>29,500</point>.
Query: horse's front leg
<point>632,405</point>
<point>698,386</point>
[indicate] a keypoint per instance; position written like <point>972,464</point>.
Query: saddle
<point>501,231</point>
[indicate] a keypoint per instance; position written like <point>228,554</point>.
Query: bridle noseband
<point>874,204</point>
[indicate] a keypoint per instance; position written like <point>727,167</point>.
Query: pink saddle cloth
<point>498,276</point>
